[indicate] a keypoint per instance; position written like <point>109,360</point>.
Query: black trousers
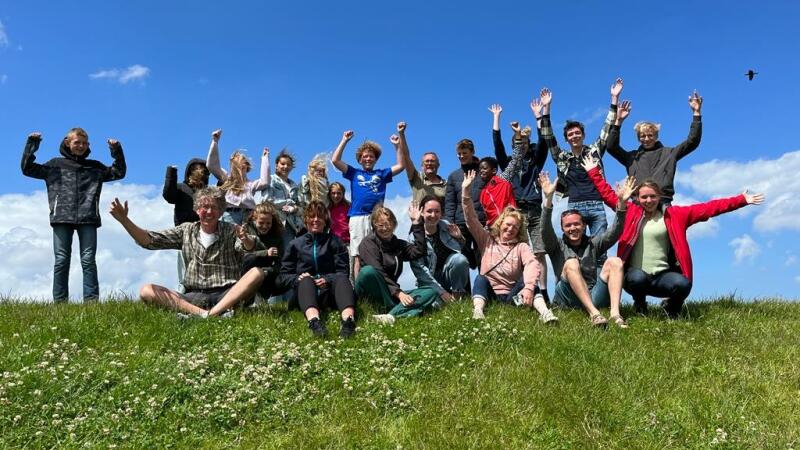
<point>338,292</point>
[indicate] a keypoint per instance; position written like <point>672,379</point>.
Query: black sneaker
<point>348,328</point>
<point>640,307</point>
<point>317,327</point>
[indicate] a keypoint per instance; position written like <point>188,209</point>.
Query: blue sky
<point>299,74</point>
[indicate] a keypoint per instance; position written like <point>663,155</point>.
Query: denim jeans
<point>670,284</point>
<point>567,298</point>
<point>482,288</point>
<point>594,214</point>
<point>62,250</point>
<point>454,276</point>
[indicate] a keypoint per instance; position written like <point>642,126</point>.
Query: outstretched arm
<point>700,212</point>
<point>549,238</point>
<point>606,192</point>
<point>546,128</point>
<point>497,139</point>
<point>263,180</point>
<point>695,130</point>
<point>170,191</point>
<point>612,143</point>
<point>29,167</point>
<point>600,143</point>
<point>212,160</point>
<point>470,216</point>
<point>119,211</point>
<point>118,168</point>
<point>336,158</point>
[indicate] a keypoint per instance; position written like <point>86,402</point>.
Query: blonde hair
<point>237,176</point>
<point>77,131</point>
<point>512,212</point>
<point>318,186</point>
<point>381,211</point>
<point>368,145</point>
<point>267,207</point>
<point>645,126</point>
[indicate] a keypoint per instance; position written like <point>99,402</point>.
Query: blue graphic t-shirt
<point>368,188</point>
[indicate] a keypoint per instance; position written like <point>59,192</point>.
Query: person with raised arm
<point>73,185</point>
<point>213,251</point>
<point>426,181</point>
<point>652,160</point>
<point>367,186</point>
<point>574,258</point>
<point>285,194</point>
<point>508,270</point>
<point>239,191</point>
<point>653,244</point>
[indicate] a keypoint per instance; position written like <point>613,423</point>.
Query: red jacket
<point>495,196</point>
<point>676,218</point>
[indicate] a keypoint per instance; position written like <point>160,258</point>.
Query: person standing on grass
<point>525,180</point>
<point>382,255</point>
<point>453,212</point>
<point>239,192</point>
<point>315,267</point>
<point>443,267</point>
<point>574,258</point>
<point>213,251</point>
<point>367,185</point>
<point>508,270</point>
<point>284,193</point>
<point>652,160</point>
<point>428,182</point>
<point>582,194</point>
<point>653,244</point>
<point>73,192</point>
<point>182,196</point>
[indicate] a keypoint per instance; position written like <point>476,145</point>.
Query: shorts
<point>533,213</point>
<point>360,227</point>
<point>206,298</point>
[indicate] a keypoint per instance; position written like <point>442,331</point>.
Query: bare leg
<point>312,313</point>
<point>347,312</point>
<point>244,288</point>
<point>543,274</point>
<point>612,275</point>
<point>356,267</point>
<point>160,296</point>
<point>572,272</point>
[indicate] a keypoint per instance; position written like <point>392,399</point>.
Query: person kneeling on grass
<point>574,257</point>
<point>382,255</point>
<point>315,264</point>
<point>213,251</point>
<point>508,269</point>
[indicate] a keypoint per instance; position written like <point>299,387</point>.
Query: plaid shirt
<point>563,158</point>
<point>217,266</point>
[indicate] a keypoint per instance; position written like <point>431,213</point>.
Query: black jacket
<point>181,194</point>
<point>73,182</point>
<point>387,257</point>
<point>452,194</point>
<point>299,257</point>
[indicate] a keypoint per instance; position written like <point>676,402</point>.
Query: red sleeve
<point>606,191</point>
<point>701,212</point>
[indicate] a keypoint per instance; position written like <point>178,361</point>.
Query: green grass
<point>121,374</point>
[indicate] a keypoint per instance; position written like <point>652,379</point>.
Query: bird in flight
<point>751,74</point>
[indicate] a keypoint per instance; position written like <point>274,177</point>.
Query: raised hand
<point>265,153</point>
<point>753,199</point>
<point>624,110</point>
<point>347,135</point>
<point>536,107</point>
<point>546,96</point>
<point>112,142</point>
<point>216,134</point>
<point>401,127</point>
<point>119,210</point>
<point>496,109</point>
<point>517,130</point>
<point>695,102</point>
<point>37,136</point>
<point>414,212</point>
<point>588,162</point>
<point>394,139</point>
<point>469,177</point>
<point>625,189</point>
<point>548,188</point>
<point>616,88</point>
<point>454,231</point>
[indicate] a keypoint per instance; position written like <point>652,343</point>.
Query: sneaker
<point>477,314</point>
<point>348,328</point>
<point>317,327</point>
<point>384,319</point>
<point>640,307</point>
<point>549,318</point>
<point>227,314</point>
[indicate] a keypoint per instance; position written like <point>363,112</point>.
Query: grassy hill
<point>119,374</point>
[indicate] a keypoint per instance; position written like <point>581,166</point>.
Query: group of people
<point>306,242</point>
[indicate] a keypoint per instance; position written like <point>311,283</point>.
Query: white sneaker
<point>384,319</point>
<point>227,314</point>
<point>477,314</point>
<point>548,318</point>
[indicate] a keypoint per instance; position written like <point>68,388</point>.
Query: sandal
<point>618,321</point>
<point>599,321</point>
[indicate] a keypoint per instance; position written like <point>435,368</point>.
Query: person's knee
<point>147,293</point>
<point>458,261</point>
<point>613,265</point>
<point>367,272</point>
<point>682,287</point>
<point>572,265</point>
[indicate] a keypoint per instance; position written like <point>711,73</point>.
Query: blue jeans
<point>672,285</point>
<point>566,297</point>
<point>454,276</point>
<point>181,272</point>
<point>594,214</point>
<point>482,288</point>
<point>62,250</point>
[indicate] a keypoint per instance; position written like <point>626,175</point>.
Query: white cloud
<point>744,248</point>
<point>3,36</point>
<point>27,245</point>
<point>797,279</point>
<point>777,178</point>
<point>135,72</point>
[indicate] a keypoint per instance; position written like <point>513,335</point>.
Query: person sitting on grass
<point>653,244</point>
<point>315,266</point>
<point>266,227</point>
<point>367,186</point>
<point>213,251</point>
<point>508,270</point>
<point>574,257</point>
<point>382,255</point>
<point>443,267</point>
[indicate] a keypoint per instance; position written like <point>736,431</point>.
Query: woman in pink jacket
<point>508,269</point>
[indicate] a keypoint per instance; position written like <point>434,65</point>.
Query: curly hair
<point>317,209</point>
<point>213,193</point>
<point>284,153</point>
<point>318,185</point>
<point>573,124</point>
<point>368,145</point>
<point>647,126</point>
<point>514,213</point>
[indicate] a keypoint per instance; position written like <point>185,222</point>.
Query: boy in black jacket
<point>73,191</point>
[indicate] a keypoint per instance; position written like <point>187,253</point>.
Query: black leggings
<point>340,291</point>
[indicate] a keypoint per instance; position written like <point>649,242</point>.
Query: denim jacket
<point>424,266</point>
